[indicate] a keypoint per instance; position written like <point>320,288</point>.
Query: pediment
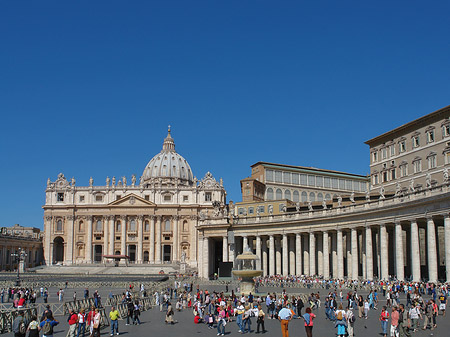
<point>132,200</point>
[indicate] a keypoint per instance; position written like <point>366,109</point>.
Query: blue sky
<point>88,88</point>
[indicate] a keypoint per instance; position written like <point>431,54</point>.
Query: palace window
<point>59,225</point>
<point>286,177</point>
<point>319,181</point>
<point>269,175</point>
<point>385,176</point>
<point>349,185</point>
<point>208,196</point>
<point>99,226</point>
<point>146,226</point>
<point>446,130</point>
<point>147,197</point>
<point>375,179</point>
<point>279,194</point>
<point>430,136</point>
<point>304,196</point>
<point>269,194</point>
<point>295,178</point>
<point>416,141</point>
<point>167,225</point>
<point>311,180</point>
<point>262,209</point>
<point>133,225</point>
<point>402,146</point>
<point>320,197</point>
<point>417,165</point>
<point>278,176</point>
<point>60,197</point>
<point>374,156</point>
<point>312,197</point>
<point>392,174</point>
<point>81,198</point>
<point>383,153</point>
<point>447,157</point>
<point>296,197</point>
<point>287,194</point>
<point>99,197</point>
<point>118,226</point>
<point>241,211</point>
<point>431,161</point>
<point>302,179</point>
<point>327,196</point>
<point>392,150</point>
<point>168,197</point>
<point>341,184</point>
<point>251,210</point>
<point>81,226</point>
<point>327,182</point>
<point>335,182</point>
<point>185,198</point>
<point>404,170</point>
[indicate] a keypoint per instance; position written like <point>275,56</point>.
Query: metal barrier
<point>7,317</point>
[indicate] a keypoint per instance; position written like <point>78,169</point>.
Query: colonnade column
<point>399,263</point>
<point>264,256</point>
<point>432,253</point>
<point>355,261</point>
<point>319,245</point>
<point>384,257</point>
<point>106,234</point>
<point>200,256</point>
<point>175,238</point>
<point>369,254</point>
<point>225,248</point>
<point>298,257</point>
<point>111,235</point>
<point>258,252</point>
<point>71,239</point>
<point>285,256</point>
<point>158,240</point>
<point>206,257</point>
<point>415,251</point>
<point>292,255</point>
<point>340,255</point>
<point>278,256</point>
<point>312,254</point>
<point>140,248</point>
<point>334,258</point>
<point>89,240</point>
<point>326,256</point>
<point>123,236</point>
<point>271,255</point>
<point>244,243</point>
<point>152,239</point>
<point>447,245</point>
<point>48,256</point>
<point>306,256</point>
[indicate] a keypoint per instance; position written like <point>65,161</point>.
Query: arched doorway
<point>58,249</point>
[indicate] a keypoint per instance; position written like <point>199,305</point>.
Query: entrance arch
<point>58,249</point>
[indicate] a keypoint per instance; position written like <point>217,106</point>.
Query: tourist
<point>394,322</point>
<point>308,317</point>
<point>442,303</point>
<point>350,321</point>
<point>240,312</point>
<point>96,323</point>
<point>428,315</point>
<point>136,313</point>
<point>300,306</point>
<point>73,320</point>
<point>285,316</point>
<point>81,323</point>
<point>169,314</point>
<point>130,310</point>
<point>260,320</point>
<point>114,317</point>
<point>19,326</point>
<point>221,321</point>
<point>246,319</point>
<point>414,314</point>
<point>384,318</point>
<point>90,320</point>
<point>33,327</point>
<point>435,313</point>
<point>47,325</point>
<point>366,309</point>
<point>404,322</point>
<point>341,321</point>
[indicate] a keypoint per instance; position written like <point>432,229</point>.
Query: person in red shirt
<point>73,320</point>
<point>384,318</point>
<point>21,303</point>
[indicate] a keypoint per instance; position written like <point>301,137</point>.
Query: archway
<point>58,249</point>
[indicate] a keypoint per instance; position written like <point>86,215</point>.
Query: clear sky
<point>88,88</point>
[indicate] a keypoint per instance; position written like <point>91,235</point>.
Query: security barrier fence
<point>7,318</point>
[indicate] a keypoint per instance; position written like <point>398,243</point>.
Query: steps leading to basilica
<point>108,270</point>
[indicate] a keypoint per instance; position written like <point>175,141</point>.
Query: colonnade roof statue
<point>168,164</point>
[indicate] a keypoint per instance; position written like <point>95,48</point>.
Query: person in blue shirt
<point>52,322</point>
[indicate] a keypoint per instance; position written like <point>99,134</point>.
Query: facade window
<point>208,196</point>
<point>146,226</point>
<point>279,194</point>
<point>447,157</point>
<point>374,157</point>
<point>335,183</point>
<point>241,211</point>
<point>383,153</point>
<point>327,196</point>
<point>312,197</point>
<point>402,146</point>
<point>311,180</point>
<point>375,179</point>
<point>320,197</point>
<point>185,226</point>
<point>296,196</point>
<point>417,166</point>
<point>446,130</point>
<point>99,226</point>
<point>281,207</point>
<point>99,197</point>
<point>147,197</point>
<point>269,194</point>
<point>430,136</point>
<point>326,182</point>
<point>302,179</point>
<point>416,141</point>
<point>349,185</point>
<point>286,177</point>
<point>167,225</point>
<point>393,174</point>
<point>262,209</point>
<point>392,150</point>
<point>404,170</point>
<point>251,210</point>
<point>278,176</point>
<point>269,175</point>
<point>341,184</point>
<point>118,226</point>
<point>118,197</point>
<point>59,226</point>
<point>168,197</point>
<point>385,176</point>
<point>319,181</point>
<point>304,197</point>
<point>431,161</point>
<point>60,197</point>
<point>81,198</point>
<point>287,194</point>
<point>81,226</point>
<point>133,225</point>
<point>185,198</point>
<point>295,178</point>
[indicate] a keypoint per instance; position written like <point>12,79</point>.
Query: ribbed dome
<point>168,164</point>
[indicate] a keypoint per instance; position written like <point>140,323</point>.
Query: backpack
<point>22,327</point>
<point>339,316</point>
<point>47,329</point>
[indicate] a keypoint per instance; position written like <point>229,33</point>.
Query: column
<point>200,256</point>
<point>399,263</point>
<point>326,256</point>
<point>319,245</point>
<point>175,238</point>
<point>70,239</point>
<point>123,236</point>
<point>340,255</point>
<point>362,251</point>
<point>447,245</point>
<point>140,245</point>
<point>369,254</point>
<point>158,240</point>
<point>306,269</point>
<point>225,248</point>
<point>285,256</point>
<point>111,235</point>
<point>105,234</point>
<point>152,239</point>
<point>258,252</point>
<point>245,244</point>
<point>348,248</point>
<point>206,257</point>
<point>278,256</point>
<point>312,254</point>
<point>89,240</point>
<point>298,257</point>
<point>384,258</point>
<point>432,253</point>
<point>415,251</point>
<point>334,254</point>
<point>292,255</point>
<point>264,257</point>
<point>48,256</point>
<point>355,261</point>
<point>271,255</point>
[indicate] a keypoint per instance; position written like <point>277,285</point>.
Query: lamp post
<point>19,256</point>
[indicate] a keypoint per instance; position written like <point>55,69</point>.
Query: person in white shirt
<point>414,314</point>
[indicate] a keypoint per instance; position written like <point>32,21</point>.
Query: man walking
<point>285,316</point>
<point>114,316</point>
<point>73,320</point>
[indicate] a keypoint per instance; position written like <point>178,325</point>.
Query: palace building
<point>150,221</point>
<point>395,223</point>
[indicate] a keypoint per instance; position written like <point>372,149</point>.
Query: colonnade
<point>406,249</point>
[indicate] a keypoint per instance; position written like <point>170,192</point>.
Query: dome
<point>168,164</point>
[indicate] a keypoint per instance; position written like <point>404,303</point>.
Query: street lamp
<point>19,258</point>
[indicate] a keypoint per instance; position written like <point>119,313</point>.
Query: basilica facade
<point>152,220</point>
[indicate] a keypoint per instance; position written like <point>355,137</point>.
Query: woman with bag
<point>260,320</point>
<point>96,324</point>
<point>308,317</point>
